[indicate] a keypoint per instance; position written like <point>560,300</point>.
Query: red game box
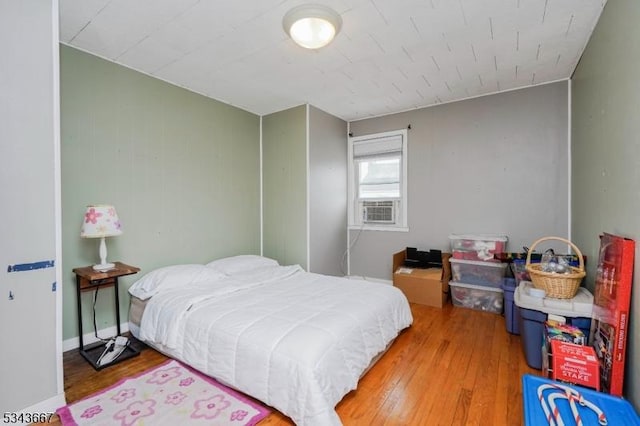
<point>612,299</point>
<point>575,364</point>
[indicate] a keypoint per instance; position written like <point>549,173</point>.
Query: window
<point>378,181</point>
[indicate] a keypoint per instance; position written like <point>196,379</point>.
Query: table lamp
<point>101,221</point>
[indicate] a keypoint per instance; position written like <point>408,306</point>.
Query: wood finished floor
<point>453,366</point>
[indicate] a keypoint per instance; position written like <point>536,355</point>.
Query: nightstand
<point>89,279</point>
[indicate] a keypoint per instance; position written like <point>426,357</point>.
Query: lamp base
<point>104,267</point>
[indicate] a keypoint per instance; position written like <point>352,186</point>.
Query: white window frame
<point>355,220</point>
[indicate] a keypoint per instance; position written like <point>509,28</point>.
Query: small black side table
<point>88,279</point>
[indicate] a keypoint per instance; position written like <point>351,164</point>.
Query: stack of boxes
<point>477,275</point>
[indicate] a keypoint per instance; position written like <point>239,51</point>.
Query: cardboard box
<point>575,364</point>
<point>557,330</point>
<point>424,286</point>
<point>611,307</point>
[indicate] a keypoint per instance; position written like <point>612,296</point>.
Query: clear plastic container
<point>477,246</point>
<point>480,298</point>
<point>519,271</point>
<point>478,272</point>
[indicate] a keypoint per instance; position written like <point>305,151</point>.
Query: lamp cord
<point>95,326</point>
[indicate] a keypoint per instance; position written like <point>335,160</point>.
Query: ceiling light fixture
<point>312,26</point>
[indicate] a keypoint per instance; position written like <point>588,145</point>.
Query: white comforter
<point>297,341</point>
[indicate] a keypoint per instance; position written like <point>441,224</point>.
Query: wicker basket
<point>560,286</point>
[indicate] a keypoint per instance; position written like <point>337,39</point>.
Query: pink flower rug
<point>170,394</point>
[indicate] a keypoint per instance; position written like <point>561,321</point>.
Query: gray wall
<point>284,180</point>
<point>182,170</point>
<point>328,189</point>
<point>30,359</point>
<point>495,164</point>
<point>606,152</point>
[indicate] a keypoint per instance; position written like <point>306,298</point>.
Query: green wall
<point>182,170</point>
<point>31,358</point>
<point>284,153</point>
<point>606,152</point>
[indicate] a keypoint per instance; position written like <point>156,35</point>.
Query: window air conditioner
<point>379,212</point>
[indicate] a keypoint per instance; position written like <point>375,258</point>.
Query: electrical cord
<point>353,243</point>
<point>95,326</point>
<point>109,348</point>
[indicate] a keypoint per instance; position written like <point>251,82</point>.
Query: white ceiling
<point>390,56</point>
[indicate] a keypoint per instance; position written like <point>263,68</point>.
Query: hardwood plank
<point>453,366</point>
<point>462,408</point>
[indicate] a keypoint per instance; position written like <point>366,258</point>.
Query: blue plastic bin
<point>533,312</point>
<point>531,326</point>
<point>597,407</point>
<point>511,311</point>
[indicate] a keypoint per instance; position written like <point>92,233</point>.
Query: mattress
<point>136,308</point>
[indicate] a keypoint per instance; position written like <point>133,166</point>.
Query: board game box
<point>575,364</point>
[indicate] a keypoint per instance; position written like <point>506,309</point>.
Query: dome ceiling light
<point>312,26</point>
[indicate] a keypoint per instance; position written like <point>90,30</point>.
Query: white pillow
<point>241,263</point>
<point>171,277</point>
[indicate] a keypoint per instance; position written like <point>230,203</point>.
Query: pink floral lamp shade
<point>101,221</point>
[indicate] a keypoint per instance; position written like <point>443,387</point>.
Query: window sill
<point>377,228</point>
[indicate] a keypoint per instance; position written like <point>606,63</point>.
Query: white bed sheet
<point>297,341</point>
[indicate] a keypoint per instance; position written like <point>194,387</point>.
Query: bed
<point>295,340</point>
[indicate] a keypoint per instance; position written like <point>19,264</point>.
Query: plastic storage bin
<point>543,397</point>
<point>511,311</point>
<point>477,272</point>
<point>477,247</point>
<point>534,311</point>
<point>480,298</point>
<point>519,271</point>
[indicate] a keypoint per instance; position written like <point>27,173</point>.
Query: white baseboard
<point>377,280</point>
<point>44,407</point>
<point>88,338</point>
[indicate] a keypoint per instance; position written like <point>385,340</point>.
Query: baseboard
<point>377,280</point>
<point>48,406</point>
<point>88,338</point>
